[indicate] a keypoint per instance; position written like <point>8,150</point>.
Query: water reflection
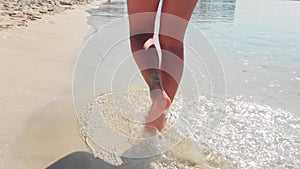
<point>214,11</point>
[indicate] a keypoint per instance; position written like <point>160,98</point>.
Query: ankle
<point>155,81</point>
<point>155,86</point>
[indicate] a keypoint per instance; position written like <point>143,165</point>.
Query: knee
<point>170,44</point>
<point>138,41</point>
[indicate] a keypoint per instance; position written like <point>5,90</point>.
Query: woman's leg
<point>174,20</point>
<point>142,22</point>
<point>142,15</point>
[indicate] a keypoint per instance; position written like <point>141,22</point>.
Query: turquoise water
<point>258,42</point>
<point>264,30</point>
<point>256,125</point>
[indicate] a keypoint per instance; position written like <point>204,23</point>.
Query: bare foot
<point>156,116</point>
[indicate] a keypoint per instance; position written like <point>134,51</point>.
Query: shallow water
<point>256,125</point>
<point>116,126</point>
<point>200,132</point>
<point>258,42</point>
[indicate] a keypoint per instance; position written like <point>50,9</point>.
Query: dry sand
<point>21,12</point>
<point>37,119</point>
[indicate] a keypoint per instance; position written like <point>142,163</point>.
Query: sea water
<point>201,131</point>
<point>253,123</point>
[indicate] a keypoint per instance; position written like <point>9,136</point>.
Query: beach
<point>70,90</point>
<point>38,124</point>
<point>19,13</point>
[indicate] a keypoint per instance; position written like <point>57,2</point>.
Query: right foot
<point>156,116</point>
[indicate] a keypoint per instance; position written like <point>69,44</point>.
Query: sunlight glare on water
<point>248,135</point>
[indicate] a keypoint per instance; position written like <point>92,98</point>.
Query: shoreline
<point>38,124</point>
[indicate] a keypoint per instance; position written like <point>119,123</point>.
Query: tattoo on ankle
<point>155,80</point>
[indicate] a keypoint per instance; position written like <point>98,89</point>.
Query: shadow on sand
<point>84,160</point>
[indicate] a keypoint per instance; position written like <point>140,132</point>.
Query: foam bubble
<point>203,132</point>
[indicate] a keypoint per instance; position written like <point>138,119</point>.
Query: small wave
<point>200,132</point>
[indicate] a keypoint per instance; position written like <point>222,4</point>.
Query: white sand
<point>37,119</point>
